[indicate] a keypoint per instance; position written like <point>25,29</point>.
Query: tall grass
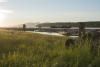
<point>21,49</point>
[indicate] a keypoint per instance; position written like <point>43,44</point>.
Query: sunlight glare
<point>2,18</point>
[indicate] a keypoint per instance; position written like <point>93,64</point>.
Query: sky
<point>13,12</point>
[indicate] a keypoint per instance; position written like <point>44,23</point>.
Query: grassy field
<point>22,49</point>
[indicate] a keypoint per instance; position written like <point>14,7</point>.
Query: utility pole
<point>81,29</point>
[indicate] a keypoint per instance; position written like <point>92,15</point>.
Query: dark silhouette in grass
<point>69,42</point>
<point>92,37</point>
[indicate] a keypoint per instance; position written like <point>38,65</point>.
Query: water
<point>86,28</point>
<point>93,28</point>
<point>74,37</point>
<point>74,28</point>
<point>47,33</point>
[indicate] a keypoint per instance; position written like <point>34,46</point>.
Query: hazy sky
<point>13,12</point>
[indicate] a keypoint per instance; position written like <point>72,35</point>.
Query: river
<point>47,33</point>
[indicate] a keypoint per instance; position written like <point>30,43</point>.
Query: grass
<point>22,49</point>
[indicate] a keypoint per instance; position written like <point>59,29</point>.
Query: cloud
<point>6,11</point>
<point>3,0</point>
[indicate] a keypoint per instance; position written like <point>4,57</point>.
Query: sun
<point>2,17</point>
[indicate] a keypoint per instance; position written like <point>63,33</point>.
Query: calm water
<point>86,28</point>
<point>47,33</point>
<point>56,34</point>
